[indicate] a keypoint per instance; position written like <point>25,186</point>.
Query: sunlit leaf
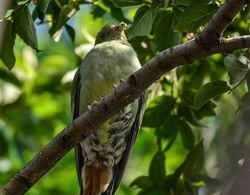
<point>208,91</point>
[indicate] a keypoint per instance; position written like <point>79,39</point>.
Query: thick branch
<point>220,22</point>
<point>126,93</point>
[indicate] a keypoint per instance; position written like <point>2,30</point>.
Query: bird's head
<point>111,32</point>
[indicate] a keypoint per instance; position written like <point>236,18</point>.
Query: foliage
<point>35,86</point>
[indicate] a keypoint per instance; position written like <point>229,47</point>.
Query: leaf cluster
<point>182,103</point>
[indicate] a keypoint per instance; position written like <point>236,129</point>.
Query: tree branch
<point>128,91</point>
<point>220,22</point>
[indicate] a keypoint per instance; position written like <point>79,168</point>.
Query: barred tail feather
<point>95,180</point>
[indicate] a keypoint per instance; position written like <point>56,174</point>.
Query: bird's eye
<point>102,36</point>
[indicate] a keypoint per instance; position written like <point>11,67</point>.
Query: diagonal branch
<point>127,92</point>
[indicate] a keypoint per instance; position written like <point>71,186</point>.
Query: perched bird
<point>102,156</point>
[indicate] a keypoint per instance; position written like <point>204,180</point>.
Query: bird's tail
<point>95,180</point>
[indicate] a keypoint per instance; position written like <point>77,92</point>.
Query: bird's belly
<point>106,145</point>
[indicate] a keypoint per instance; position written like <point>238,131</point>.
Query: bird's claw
<point>94,103</point>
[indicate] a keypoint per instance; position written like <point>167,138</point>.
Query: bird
<point>101,157</point>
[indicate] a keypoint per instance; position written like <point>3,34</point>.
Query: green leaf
<point>97,11</point>
<point>187,97</point>
<point>157,111</point>
<point>151,192</point>
<point>7,46</point>
<point>193,163</point>
<point>9,77</point>
<point>71,32</point>
<point>157,171</point>
<point>66,12</point>
<point>188,114</point>
<point>64,16</point>
<point>237,71</point>
<point>166,2</point>
<point>206,110</point>
<point>143,21</point>
<point>25,27</point>
<point>165,36</point>
<point>194,16</point>
<point>12,4</point>
<point>124,3</point>
<point>144,182</point>
<point>4,145</point>
<point>169,128</point>
<point>245,101</point>
<point>115,12</point>
<point>208,91</point>
<point>183,2</point>
<point>248,81</point>
<point>41,9</point>
<point>187,135</point>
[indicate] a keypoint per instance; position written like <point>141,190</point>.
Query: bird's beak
<point>120,27</point>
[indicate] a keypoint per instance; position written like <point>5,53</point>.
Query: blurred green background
<point>36,107</point>
<point>35,101</point>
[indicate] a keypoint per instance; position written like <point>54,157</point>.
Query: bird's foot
<point>94,103</point>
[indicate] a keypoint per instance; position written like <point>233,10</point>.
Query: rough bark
<point>207,43</point>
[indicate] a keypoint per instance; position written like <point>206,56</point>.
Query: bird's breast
<point>103,68</point>
<point>101,71</point>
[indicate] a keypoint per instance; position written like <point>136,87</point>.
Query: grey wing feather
<point>75,101</point>
<point>118,170</point>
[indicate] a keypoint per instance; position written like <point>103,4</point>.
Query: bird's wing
<point>118,170</point>
<point>75,101</point>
